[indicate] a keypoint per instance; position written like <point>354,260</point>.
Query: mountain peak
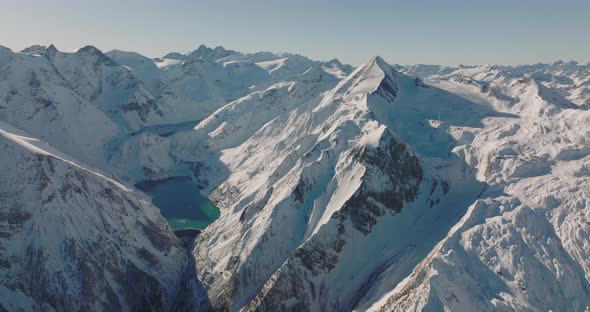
<point>34,49</point>
<point>374,76</point>
<point>212,54</point>
<point>40,49</point>
<point>92,51</point>
<point>175,56</point>
<point>378,59</point>
<point>568,66</point>
<point>334,62</point>
<point>89,49</point>
<point>379,63</point>
<point>51,50</point>
<point>203,48</point>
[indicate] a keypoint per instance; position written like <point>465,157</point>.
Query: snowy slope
<point>92,105</point>
<point>142,67</point>
<point>106,84</point>
<point>571,80</point>
<point>204,80</point>
<point>235,122</point>
<point>302,207</point>
<point>74,239</point>
<point>247,114</point>
<point>523,245</point>
<point>36,97</point>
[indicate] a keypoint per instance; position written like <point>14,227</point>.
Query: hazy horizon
<point>421,32</point>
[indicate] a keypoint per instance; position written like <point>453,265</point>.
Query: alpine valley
<point>376,188</point>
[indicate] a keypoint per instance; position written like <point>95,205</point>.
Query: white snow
<point>280,144</point>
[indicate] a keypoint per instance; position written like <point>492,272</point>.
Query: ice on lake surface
<point>180,202</point>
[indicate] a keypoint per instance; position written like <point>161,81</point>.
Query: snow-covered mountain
<point>89,103</point>
<point>288,238</point>
<point>383,187</point>
<point>521,246</point>
<point>570,80</point>
<point>74,239</point>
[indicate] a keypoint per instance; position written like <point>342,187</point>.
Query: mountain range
<point>372,188</point>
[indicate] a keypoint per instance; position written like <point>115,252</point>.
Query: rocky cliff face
<point>300,283</point>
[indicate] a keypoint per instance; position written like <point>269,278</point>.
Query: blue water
<point>180,202</point>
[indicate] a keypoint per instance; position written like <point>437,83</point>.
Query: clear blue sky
<point>405,32</point>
